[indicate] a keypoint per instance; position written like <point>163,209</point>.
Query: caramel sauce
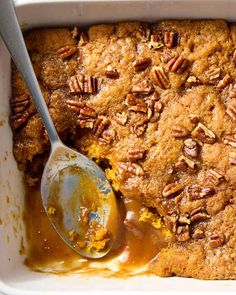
<point>139,243</point>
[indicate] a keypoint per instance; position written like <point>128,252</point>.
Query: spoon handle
<point>12,36</point>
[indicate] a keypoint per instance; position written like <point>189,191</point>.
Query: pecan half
<point>183,234</point>
<point>111,73</point>
<point>171,39</point>
<point>127,168</point>
<point>213,72</point>
<point>204,134</point>
<point>143,87</point>
<point>100,125</point>
<point>20,103</point>
<point>159,77</point>
<point>231,112</point>
<point>199,214</point>
<point>155,42</point>
<point>191,148</point>
<point>83,84</point>
<point>179,131</point>
<point>135,104</point>
<point>74,105</point>
<point>139,128</point>
<point>121,118</point>
<point>195,192</point>
<point>172,190</point>
<point>67,51</point>
<point>166,55</point>
<point>87,112</point>
<point>141,64</point>
<point>136,154</point>
<point>215,177</point>
<point>224,82</point>
<point>108,136</point>
<point>230,139</point>
<point>86,123</point>
<point>232,158</point>
<point>177,64</point>
<point>18,120</point>
<point>184,163</point>
<point>216,240</point>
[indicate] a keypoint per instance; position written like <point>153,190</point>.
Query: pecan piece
<point>180,131</point>
<point>198,234</point>
<point>194,118</point>
<point>135,104</point>
<point>155,42</point>
<point>19,120</point>
<point>143,87</point>
<point>184,219</point>
<point>177,64</point>
<point>121,118</point>
<point>195,192</point>
<point>216,240</point>
<point>171,222</point>
<point>154,110</point>
<point>100,125</point>
<point>86,123</point>
<point>172,190</point>
<point>204,134</point>
<point>231,112</point>
<point>232,92</point>
<point>183,164</point>
<point>224,82</point>
<point>111,73</point>
<point>159,78</point>
<point>171,39</point>
<point>183,233</point>
<point>191,148</point>
<point>213,72</point>
<point>20,103</point>
<point>230,139</point>
<point>143,33</point>
<point>232,158</point>
<point>199,214</point>
<point>136,154</point>
<point>141,64</point>
<point>87,112</point>
<point>67,51</point>
<point>127,168</point>
<point>107,136</point>
<point>139,128</point>
<point>215,177</point>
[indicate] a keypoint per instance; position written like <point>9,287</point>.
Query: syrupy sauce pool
<point>139,244</point>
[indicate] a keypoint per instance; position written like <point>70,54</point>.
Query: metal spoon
<point>75,192</point>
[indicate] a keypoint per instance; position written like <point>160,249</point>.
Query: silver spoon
<point>76,195</point>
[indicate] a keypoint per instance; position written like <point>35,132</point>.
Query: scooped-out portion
<point>155,106</point>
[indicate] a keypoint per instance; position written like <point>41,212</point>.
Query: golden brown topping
<point>231,112</point>
<point>108,136</point>
<point>198,234</point>
<point>171,39</point>
<point>159,78</point>
<point>135,104</point>
<point>136,154</point>
<point>18,120</point>
<point>121,118</point>
<point>216,240</point>
<point>155,42</point>
<point>111,73</point>
<point>224,82</point>
<point>230,139</point>
<point>194,118</point>
<point>215,177</point>
<point>204,134</point>
<point>100,125</point>
<point>183,233</point>
<point>195,192</point>
<point>139,128</point>
<point>84,38</point>
<point>199,214</point>
<point>234,56</point>
<point>184,162</point>
<point>141,64</point>
<point>171,190</point>
<point>66,51</point>
<point>83,84</point>
<point>213,72</point>
<point>180,131</point>
<point>127,168</point>
<point>143,87</point>
<point>154,110</point>
<point>177,64</point>
<point>167,55</point>
<point>191,148</point>
<point>232,158</point>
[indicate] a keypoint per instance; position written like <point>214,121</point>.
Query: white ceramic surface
<point>15,278</point>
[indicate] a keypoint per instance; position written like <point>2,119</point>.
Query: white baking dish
<point>15,278</point>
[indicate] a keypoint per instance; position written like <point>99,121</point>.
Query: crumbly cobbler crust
<point>155,106</point>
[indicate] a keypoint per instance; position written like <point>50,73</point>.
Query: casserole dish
<point>15,278</point>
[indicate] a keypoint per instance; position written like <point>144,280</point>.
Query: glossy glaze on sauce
<point>138,243</point>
